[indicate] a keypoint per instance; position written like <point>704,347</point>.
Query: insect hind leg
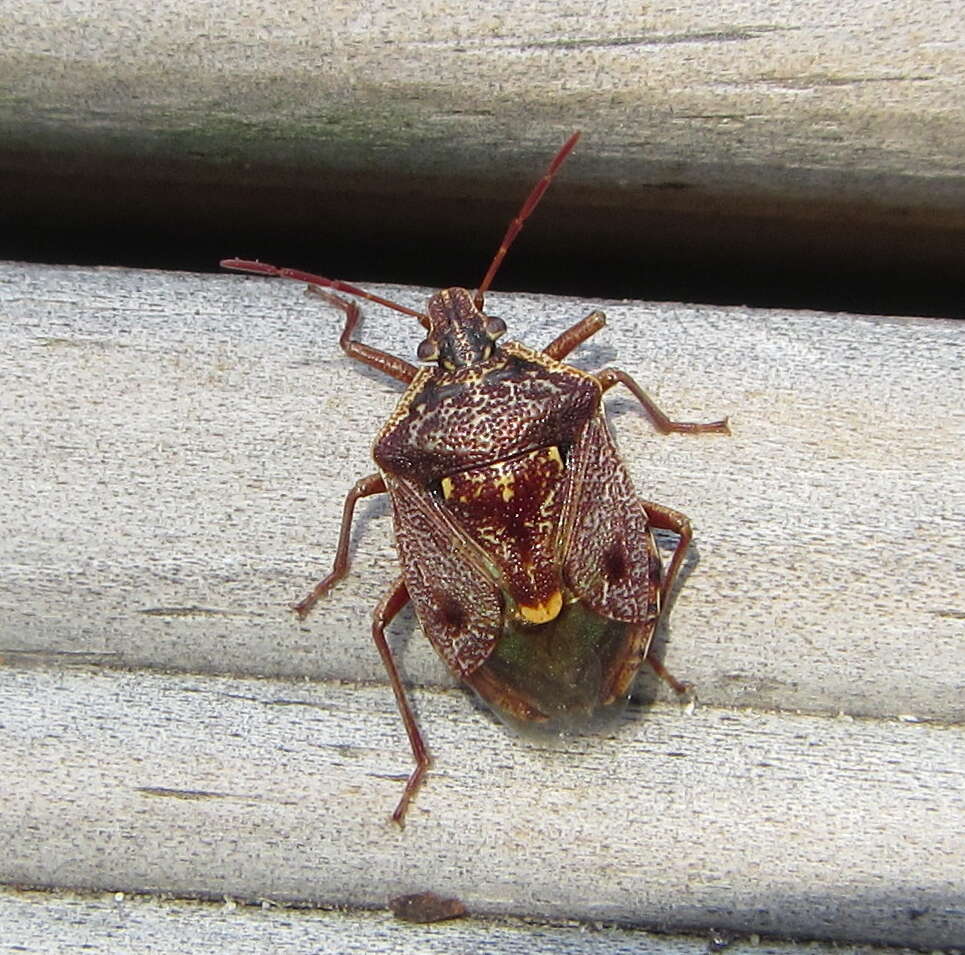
<point>667,519</point>
<point>387,609</point>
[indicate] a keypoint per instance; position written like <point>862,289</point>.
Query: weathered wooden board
<point>809,101</point>
<point>47,922</point>
<point>177,447</point>
<point>799,826</point>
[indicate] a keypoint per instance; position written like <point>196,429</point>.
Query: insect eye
<point>428,350</point>
<point>494,326</point>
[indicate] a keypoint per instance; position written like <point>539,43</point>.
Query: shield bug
<point>525,550</point>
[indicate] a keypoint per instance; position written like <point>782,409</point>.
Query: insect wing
<point>609,557</point>
<point>454,596</point>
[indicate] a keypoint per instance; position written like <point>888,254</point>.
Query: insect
<point>528,557</point>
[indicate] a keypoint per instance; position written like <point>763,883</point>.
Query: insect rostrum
<point>524,547</point>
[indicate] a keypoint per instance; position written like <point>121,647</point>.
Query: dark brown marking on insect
<point>451,615</point>
<point>615,562</point>
<point>435,394</point>
<point>512,368</point>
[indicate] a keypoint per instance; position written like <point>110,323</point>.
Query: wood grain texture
<point>799,826</point>
<point>814,101</point>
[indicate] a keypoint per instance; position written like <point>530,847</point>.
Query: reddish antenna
<point>532,200</point>
<point>263,268</point>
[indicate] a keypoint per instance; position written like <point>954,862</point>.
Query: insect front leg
<point>391,365</point>
<point>391,604</point>
<point>574,336</point>
<point>396,367</point>
<point>612,376</point>
<point>364,487</point>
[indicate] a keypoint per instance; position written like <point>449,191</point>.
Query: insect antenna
<point>532,200</point>
<point>263,268</point>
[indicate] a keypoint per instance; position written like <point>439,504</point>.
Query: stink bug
<point>525,550</point>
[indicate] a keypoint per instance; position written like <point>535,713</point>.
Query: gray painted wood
<point>799,826</point>
<point>175,452</point>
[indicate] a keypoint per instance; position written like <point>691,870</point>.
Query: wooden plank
<point>807,100</point>
<point>785,824</point>
<point>178,446</point>
<point>49,922</point>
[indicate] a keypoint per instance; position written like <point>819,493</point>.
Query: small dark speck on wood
<point>426,907</point>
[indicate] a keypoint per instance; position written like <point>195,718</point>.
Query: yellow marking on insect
<point>554,455</point>
<point>447,488</point>
<point>548,610</point>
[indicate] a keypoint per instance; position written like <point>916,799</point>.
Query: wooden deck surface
<point>176,449</point>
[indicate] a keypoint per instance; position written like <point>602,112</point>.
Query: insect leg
<point>681,689</point>
<point>390,605</point>
<point>667,519</point>
<point>383,361</point>
<point>612,376</point>
<point>574,336</point>
<point>364,487</point>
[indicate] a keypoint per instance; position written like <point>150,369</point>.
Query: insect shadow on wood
<point>524,548</point>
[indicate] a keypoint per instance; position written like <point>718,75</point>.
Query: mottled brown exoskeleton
<point>525,550</point>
